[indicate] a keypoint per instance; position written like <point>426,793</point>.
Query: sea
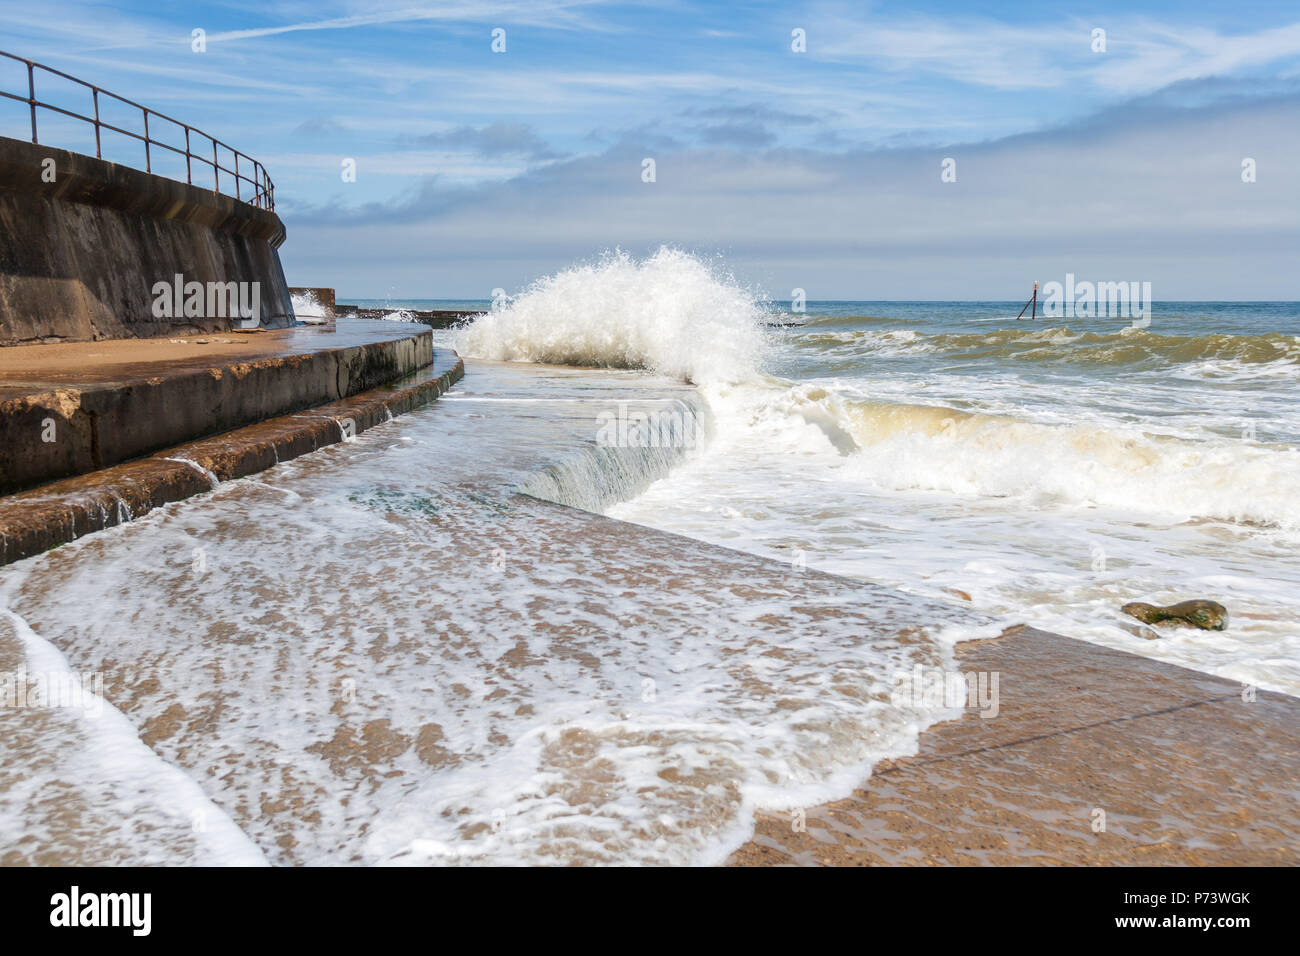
<point>381,653</point>
<point>1047,470</point>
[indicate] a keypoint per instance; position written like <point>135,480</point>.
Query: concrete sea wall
<point>83,242</point>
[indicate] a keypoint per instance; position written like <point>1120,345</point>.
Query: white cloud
<point>1119,196</point>
<point>1141,54</point>
<point>555,14</point>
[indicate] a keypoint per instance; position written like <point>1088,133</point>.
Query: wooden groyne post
<point>1032,305</point>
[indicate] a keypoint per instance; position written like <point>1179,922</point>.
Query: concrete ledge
<point>37,520</point>
<point>105,403</point>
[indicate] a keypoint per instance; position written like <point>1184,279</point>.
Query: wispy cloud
<point>880,223</point>
<point>1140,54</point>
<point>555,14</point>
<point>762,152</point>
<point>496,139</point>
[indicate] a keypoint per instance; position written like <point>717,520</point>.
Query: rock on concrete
<point>1207,615</point>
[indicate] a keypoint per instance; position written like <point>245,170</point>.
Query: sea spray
<point>670,313</point>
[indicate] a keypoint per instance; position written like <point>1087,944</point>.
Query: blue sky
<point>817,169</point>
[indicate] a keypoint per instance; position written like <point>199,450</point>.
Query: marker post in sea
<point>1032,302</point>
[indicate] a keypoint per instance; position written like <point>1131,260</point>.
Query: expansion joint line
<point>912,762</point>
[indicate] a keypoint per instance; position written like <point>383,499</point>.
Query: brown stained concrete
<point>1186,770</point>
<point>107,402</point>
<point>35,521</point>
<point>84,242</point>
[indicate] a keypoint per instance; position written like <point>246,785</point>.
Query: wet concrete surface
<point>1095,757</point>
<point>379,626</point>
<point>28,368</point>
<point>72,408</point>
<point>36,520</point>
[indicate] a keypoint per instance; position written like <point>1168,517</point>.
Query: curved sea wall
<point>85,244</point>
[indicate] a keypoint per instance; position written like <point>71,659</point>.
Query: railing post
<point>216,170</point>
<point>148,164</point>
<point>99,153</point>
<point>237,175</point>
<point>189,177</point>
<point>31,95</point>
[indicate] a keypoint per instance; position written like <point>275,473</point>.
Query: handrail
<point>263,188</point>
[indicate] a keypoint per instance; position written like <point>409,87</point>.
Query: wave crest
<point>670,313</point>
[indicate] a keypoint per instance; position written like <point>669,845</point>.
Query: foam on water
<point>1052,525</point>
<point>307,309</point>
<point>670,314</point>
<point>1119,465</point>
<point>1179,437</point>
<point>80,749</point>
<point>387,656</point>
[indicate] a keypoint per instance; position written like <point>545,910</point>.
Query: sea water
<point>380,654</point>
<point>1045,471</point>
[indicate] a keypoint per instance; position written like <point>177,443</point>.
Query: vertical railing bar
<point>31,95</point>
<point>237,175</point>
<point>99,153</point>
<point>189,177</point>
<point>216,170</point>
<point>148,163</point>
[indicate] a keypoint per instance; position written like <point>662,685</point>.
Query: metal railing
<point>263,190</point>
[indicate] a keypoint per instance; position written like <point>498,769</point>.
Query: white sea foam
<point>412,664</point>
<point>1123,466</point>
<point>671,314</point>
<point>307,309</point>
<point>93,754</point>
<point>1140,459</point>
<point>498,651</point>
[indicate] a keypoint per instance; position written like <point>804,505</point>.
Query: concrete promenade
<point>466,616</point>
<point>78,419</point>
<point>1180,767</point>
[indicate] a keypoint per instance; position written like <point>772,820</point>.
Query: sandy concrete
<point>54,514</point>
<point>1186,771</point>
<point>72,408</point>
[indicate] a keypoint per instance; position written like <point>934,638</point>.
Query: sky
<point>819,168</point>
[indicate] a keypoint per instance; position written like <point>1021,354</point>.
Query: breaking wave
<point>675,315</point>
<point>670,313</point>
<point>937,448</point>
<point>1126,346</point>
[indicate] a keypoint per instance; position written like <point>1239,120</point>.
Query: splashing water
<point>669,314</point>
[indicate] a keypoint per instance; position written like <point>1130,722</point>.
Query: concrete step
<point>36,520</point>
<point>72,408</point>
